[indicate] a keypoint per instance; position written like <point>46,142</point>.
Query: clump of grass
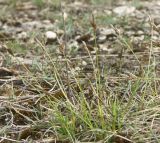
<point>16,47</point>
<point>91,112</point>
<point>90,109</point>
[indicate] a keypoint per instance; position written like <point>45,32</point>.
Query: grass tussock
<point>105,108</point>
<point>73,90</point>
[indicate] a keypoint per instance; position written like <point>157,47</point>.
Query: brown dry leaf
<point>89,47</point>
<point>83,38</point>
<point>26,132</point>
<point>121,139</point>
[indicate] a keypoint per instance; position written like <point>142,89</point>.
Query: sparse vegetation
<point>93,78</point>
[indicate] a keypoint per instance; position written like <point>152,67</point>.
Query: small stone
<point>60,32</point>
<point>146,25</point>
<point>22,35</point>
<point>77,69</point>
<point>84,63</point>
<point>124,10</point>
<point>107,32</point>
<point>101,39</point>
<point>137,39</point>
<point>130,33</point>
<point>108,12</point>
<point>103,47</point>
<point>46,21</point>
<point>51,36</point>
<point>47,24</point>
<point>154,38</point>
<point>140,32</point>
<point>155,33</point>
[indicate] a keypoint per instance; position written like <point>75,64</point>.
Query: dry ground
<point>96,79</point>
